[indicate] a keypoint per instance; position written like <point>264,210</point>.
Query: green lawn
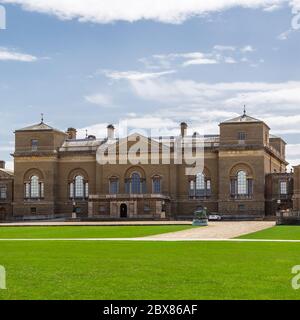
<point>277,233</point>
<point>87,232</point>
<point>148,270</point>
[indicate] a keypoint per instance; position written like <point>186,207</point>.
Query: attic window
<point>242,136</point>
<point>34,144</point>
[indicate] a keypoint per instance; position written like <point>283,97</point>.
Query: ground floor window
<point>283,188</point>
<point>79,188</point>
<point>241,186</point>
<point>200,186</point>
<point>34,189</point>
<point>3,192</point>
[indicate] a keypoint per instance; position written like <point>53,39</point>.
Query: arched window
<point>200,186</point>
<point>156,184</point>
<point>113,185</point>
<point>34,189</point>
<point>79,188</point>
<point>200,181</point>
<point>242,183</point>
<point>135,183</point>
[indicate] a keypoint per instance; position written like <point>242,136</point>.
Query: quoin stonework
<point>243,175</point>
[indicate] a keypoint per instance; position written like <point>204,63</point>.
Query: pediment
<point>134,140</point>
<point>5,174</point>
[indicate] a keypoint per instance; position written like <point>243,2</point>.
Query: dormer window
<point>242,136</point>
<point>34,144</point>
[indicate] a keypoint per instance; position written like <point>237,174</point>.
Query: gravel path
<point>217,230</point>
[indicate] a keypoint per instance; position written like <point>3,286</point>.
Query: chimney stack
<point>183,129</point>
<point>72,133</point>
<point>110,131</point>
<point>2,164</point>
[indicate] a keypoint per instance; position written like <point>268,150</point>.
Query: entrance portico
<point>129,206</point>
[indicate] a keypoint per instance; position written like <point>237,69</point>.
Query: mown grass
<point>276,233</point>
<point>148,270</point>
<point>87,231</point>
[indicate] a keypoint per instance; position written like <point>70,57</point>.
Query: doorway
<point>123,210</point>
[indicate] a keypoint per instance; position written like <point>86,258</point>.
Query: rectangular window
<point>233,187</point>
<point>156,186</point>
<point>127,186</point>
<point>27,190</point>
<point>86,190</point>
<point>144,187</point>
<point>3,192</point>
<point>71,190</point>
<point>242,136</point>
<point>33,210</point>
<point>192,188</point>
<point>114,187</point>
<point>35,189</point>
<point>34,144</point>
<point>42,190</point>
<point>283,188</point>
<point>208,188</point>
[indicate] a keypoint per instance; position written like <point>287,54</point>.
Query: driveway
<point>217,230</point>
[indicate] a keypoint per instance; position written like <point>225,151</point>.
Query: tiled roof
<point>38,127</point>
<point>243,118</point>
<point>9,172</point>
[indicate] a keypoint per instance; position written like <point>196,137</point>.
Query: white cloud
<point>107,11</point>
<point>285,35</point>
<point>288,94</point>
<point>142,124</point>
<point>135,75</point>
<point>230,60</point>
<point>9,165</point>
<point>224,48</point>
<point>185,59</point>
<point>277,103</point>
<point>11,55</point>
<point>272,8</point>
<point>100,99</point>
<point>199,61</point>
<point>231,93</point>
<point>247,49</point>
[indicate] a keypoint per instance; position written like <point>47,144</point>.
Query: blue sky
<point>98,62</point>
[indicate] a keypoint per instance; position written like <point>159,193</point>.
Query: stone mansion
<point>55,173</point>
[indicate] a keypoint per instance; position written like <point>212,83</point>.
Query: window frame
<point>79,188</point>
<point>34,145</point>
<point>242,136</point>
<point>285,183</point>
<point>200,186</point>
<point>114,182</point>
<point>34,188</point>
<point>155,180</point>
<point>3,191</point>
